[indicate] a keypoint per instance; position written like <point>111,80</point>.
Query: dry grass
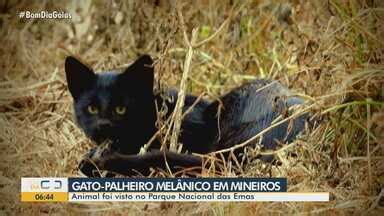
<point>329,51</point>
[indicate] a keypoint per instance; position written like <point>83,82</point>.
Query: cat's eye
<point>92,110</point>
<point>120,110</point>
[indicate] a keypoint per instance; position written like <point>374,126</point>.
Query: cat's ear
<point>79,76</point>
<point>140,75</point>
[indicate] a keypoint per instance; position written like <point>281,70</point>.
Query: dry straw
<point>331,52</point>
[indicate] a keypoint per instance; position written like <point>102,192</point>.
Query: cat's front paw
<point>93,163</point>
<point>88,169</point>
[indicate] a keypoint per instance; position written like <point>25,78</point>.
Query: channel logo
<point>47,185</point>
<point>44,185</point>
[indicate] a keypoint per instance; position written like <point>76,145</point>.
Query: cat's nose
<point>104,123</point>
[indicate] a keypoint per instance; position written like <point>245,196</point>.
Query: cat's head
<point>113,106</point>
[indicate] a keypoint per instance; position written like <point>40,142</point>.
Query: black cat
<point>121,108</point>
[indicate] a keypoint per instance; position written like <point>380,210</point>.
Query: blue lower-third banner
<point>161,189</point>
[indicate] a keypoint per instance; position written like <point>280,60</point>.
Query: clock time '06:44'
<point>44,196</point>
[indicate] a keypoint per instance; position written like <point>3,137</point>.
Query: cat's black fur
<point>211,126</point>
<point>132,89</point>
